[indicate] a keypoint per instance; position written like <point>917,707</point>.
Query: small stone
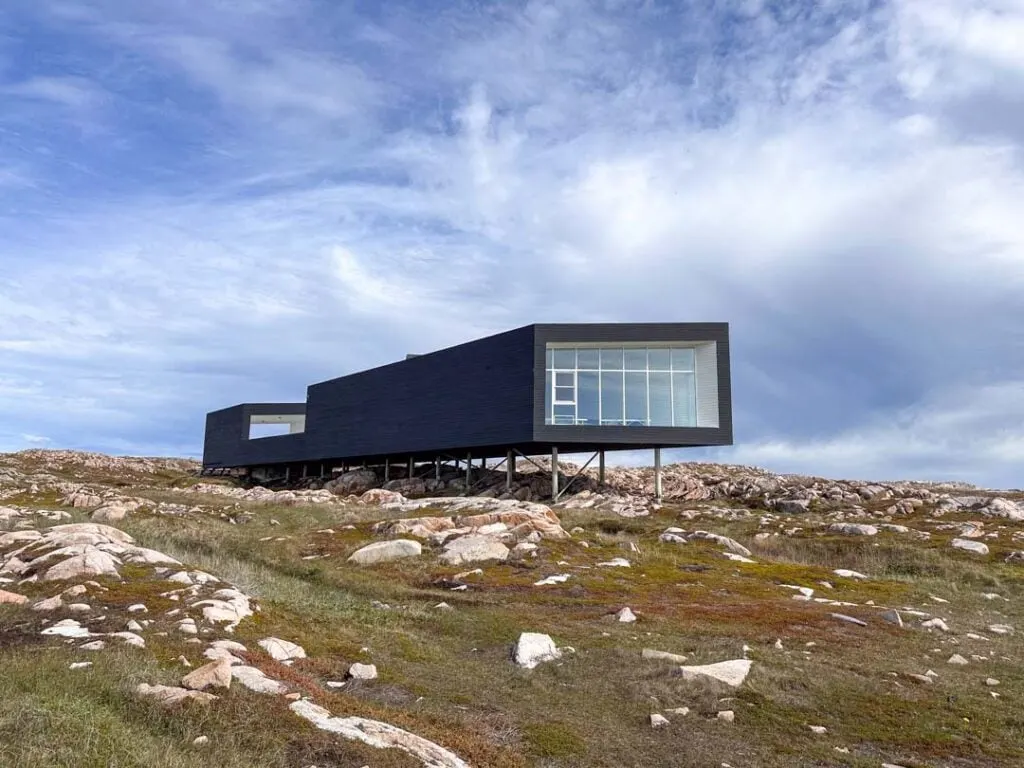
<point>684,711</point>
<point>12,598</point>
<point>216,674</point>
<point>359,671</point>
<point>200,741</point>
<point>892,616</point>
<point>727,715</point>
<point>616,562</point>
<point>957,659</point>
<point>50,604</point>
<point>821,730</point>
<point>625,616</point>
<point>560,578</point>
<point>658,721</point>
<point>80,665</point>
<point>849,619</point>
<point>991,682</point>
<point>95,645</point>
<point>935,623</point>
<point>1001,629</point>
<point>848,574</point>
<point>732,672</point>
<point>138,608</point>
<point>653,655</point>
<point>188,627</point>
<point>533,648</point>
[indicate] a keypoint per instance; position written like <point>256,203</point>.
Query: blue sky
<point>202,204</point>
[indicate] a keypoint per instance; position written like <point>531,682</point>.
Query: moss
<point>554,740</point>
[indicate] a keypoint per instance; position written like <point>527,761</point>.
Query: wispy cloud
<point>285,192</point>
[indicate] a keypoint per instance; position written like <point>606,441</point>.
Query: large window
<point>633,386</point>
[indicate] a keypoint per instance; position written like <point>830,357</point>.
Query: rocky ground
<point>149,616</point>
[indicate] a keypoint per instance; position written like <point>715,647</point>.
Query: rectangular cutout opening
<point>275,425</point>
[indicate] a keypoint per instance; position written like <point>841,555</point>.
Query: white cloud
<point>316,193</point>
<point>72,92</point>
<point>966,433</point>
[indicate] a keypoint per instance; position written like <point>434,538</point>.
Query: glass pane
<point>659,359</point>
<point>611,397</point>
<point>636,399</point>
<point>565,358</point>
<point>611,359</point>
<point>660,386</point>
<point>565,414</point>
<point>565,379</point>
<point>548,399</point>
<point>682,359</point>
<point>587,402</point>
<point>684,397</point>
<point>549,358</point>
<point>565,394</point>
<point>587,359</point>
<point>636,360</point>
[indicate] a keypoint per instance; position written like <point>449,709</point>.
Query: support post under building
<point>657,475</point>
<point>510,464</point>
<point>600,467</point>
<point>554,474</point>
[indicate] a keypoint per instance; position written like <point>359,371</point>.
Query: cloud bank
<point>199,209</point>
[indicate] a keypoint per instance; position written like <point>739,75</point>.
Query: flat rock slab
<point>254,679</point>
<point>282,650</point>
<point>379,735</point>
<point>853,529</point>
<point>732,672</point>
<point>967,545</point>
<point>472,549</point>
<point>92,562</point>
<point>386,551</point>
<point>169,695</point>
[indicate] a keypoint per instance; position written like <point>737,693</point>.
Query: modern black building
<point>539,389</point>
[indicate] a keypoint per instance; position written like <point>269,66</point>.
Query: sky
<point>210,203</point>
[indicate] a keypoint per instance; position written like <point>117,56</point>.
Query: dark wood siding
<point>484,397</point>
<point>473,395</point>
<point>227,442</point>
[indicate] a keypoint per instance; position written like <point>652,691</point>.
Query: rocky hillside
<point>149,616</point>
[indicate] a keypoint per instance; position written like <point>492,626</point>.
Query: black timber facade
<point>480,399</point>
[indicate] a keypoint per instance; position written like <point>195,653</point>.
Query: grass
<point>447,676</point>
<point>52,716</point>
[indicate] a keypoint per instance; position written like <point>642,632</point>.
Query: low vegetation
<point>441,638</point>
